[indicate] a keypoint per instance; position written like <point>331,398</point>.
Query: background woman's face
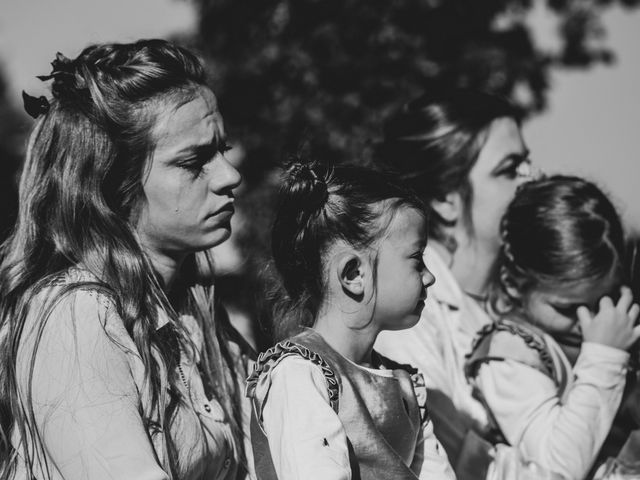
<point>502,165</point>
<point>188,198</point>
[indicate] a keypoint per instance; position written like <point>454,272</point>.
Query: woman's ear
<point>351,274</point>
<point>449,208</point>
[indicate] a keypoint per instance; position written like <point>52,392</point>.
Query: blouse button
<point>207,407</point>
<point>227,462</point>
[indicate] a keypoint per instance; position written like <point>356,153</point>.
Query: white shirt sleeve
<point>430,461</point>
<point>85,400</point>
<point>563,437</point>
<point>306,438</point>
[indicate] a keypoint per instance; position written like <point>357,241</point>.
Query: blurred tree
<point>13,126</point>
<point>330,71</point>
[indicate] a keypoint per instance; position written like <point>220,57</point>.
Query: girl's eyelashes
<point>569,311</point>
<point>224,147</point>
<point>419,259</point>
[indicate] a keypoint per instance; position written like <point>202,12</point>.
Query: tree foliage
<point>331,70</point>
<point>13,127</point>
<point>328,72</point>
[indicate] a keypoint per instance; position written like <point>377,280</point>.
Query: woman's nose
<point>225,176</point>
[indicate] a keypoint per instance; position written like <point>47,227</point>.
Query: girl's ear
<point>509,285</point>
<point>449,208</point>
<point>351,274</point>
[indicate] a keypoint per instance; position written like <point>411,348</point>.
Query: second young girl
<point>551,370</point>
<point>348,245</point>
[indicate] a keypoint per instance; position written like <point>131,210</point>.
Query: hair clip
<point>35,106</point>
<point>61,66</point>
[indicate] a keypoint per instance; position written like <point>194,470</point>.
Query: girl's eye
<point>419,261</point>
<point>568,311</point>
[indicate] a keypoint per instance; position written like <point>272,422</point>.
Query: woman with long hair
<point>113,362</point>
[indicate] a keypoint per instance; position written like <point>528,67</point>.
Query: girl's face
<point>553,309</point>
<point>502,165</point>
<point>402,277</point>
<point>188,185</point>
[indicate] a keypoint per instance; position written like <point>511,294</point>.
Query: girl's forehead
<point>582,291</point>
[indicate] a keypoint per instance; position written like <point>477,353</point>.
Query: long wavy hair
<point>79,194</point>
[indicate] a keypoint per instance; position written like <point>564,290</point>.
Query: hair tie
<point>35,106</point>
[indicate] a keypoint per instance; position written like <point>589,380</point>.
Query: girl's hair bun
<point>307,181</point>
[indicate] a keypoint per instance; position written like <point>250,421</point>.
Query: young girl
<point>348,245</point>
<point>551,370</point>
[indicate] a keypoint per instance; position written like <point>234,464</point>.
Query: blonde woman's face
<point>503,164</point>
<point>188,186</point>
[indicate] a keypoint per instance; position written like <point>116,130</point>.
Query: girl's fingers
<point>584,317</point>
<point>626,298</point>
<point>633,312</point>
<point>605,303</point>
<point>635,335</point>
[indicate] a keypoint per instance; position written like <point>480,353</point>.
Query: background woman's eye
<point>523,169</point>
<point>516,168</point>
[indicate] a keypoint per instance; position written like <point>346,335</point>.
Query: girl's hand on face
<point>612,325</point>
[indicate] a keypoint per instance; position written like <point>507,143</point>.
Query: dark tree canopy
<point>13,128</point>
<point>327,72</point>
<point>333,69</point>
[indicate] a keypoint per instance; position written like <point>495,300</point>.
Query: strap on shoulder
<point>270,358</point>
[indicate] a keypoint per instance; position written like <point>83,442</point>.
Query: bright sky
<point>592,127</point>
<point>32,31</point>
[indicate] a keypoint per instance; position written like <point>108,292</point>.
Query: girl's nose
<point>428,278</point>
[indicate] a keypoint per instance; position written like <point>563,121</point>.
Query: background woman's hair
<point>434,142</point>
<point>319,205</point>
<point>556,231</point>
<point>79,194</point>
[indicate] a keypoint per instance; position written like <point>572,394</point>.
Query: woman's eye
<point>194,167</point>
<point>516,169</point>
<point>224,147</point>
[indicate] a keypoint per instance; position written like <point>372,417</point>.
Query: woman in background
<point>463,153</point>
<point>113,365</point>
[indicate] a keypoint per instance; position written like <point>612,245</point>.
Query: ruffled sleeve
<point>306,438</point>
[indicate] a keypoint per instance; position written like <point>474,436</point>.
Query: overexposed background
<point>592,126</point>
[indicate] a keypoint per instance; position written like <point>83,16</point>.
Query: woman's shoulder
<point>508,339</point>
<point>74,305</point>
